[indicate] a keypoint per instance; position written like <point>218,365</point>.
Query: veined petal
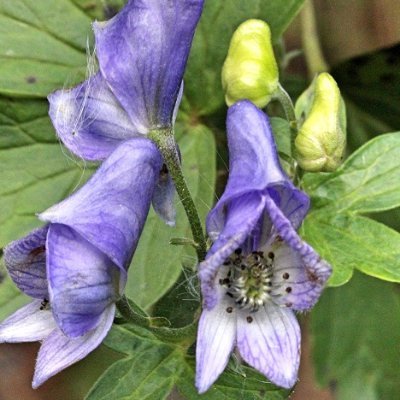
<point>28,324</point>
<point>269,341</point>
<point>89,120</point>
<point>83,282</point>
<point>25,260</point>
<point>59,351</point>
<point>215,340</point>
<point>254,164</point>
<point>240,217</point>
<point>142,54</point>
<point>110,210</point>
<point>296,264</point>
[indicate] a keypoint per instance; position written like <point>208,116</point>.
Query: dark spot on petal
<point>288,304</point>
<point>271,255</point>
<point>73,133</point>
<point>279,238</point>
<point>31,79</point>
<point>221,282</point>
<point>229,310</point>
<point>37,251</point>
<point>249,319</point>
<point>311,275</point>
<point>288,289</point>
<point>286,275</point>
<point>238,251</point>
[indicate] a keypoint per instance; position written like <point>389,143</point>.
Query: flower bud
<point>321,141</point>
<point>250,70</point>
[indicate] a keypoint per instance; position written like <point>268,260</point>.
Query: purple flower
<point>75,267</point>
<point>258,270</point>
<point>142,53</point>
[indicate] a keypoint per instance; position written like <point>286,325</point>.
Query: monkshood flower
<point>258,270</point>
<point>75,267</point>
<point>142,54</point>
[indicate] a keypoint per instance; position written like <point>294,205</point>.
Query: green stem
<point>310,40</point>
<point>165,141</point>
<point>283,97</point>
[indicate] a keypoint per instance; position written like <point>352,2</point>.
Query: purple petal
<point>142,54</point>
<point>269,341</point>
<point>89,119</point>
<point>29,324</point>
<point>59,351</point>
<point>240,219</point>
<point>296,265</point>
<point>163,198</point>
<point>25,260</point>
<point>83,282</point>
<point>215,340</point>
<point>111,209</point>
<point>254,165</point>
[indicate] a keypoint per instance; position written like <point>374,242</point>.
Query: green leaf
<point>367,182</point>
<point>42,46</point>
<point>152,368</point>
<point>351,242</point>
<point>149,372</point>
<point>35,171</point>
<point>356,336</point>
<point>220,18</point>
<point>244,384</point>
<point>156,264</point>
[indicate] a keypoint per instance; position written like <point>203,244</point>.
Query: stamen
<point>248,280</point>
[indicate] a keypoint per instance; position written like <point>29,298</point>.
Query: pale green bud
<point>250,70</point>
<point>321,141</point>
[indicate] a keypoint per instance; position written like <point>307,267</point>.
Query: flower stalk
<point>165,141</point>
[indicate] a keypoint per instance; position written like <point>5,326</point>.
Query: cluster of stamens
<point>248,280</point>
<point>44,305</point>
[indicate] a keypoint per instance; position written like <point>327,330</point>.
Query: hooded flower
<point>258,270</point>
<point>142,53</point>
<point>75,267</point>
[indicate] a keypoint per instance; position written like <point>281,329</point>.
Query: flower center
<point>248,280</point>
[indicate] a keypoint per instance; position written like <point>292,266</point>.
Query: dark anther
<point>249,319</point>
<point>285,275</point>
<point>164,170</point>
<point>227,262</point>
<point>229,310</point>
<point>271,255</point>
<point>229,294</point>
<point>238,251</point>
<point>288,289</point>
<point>288,304</point>
<point>243,267</point>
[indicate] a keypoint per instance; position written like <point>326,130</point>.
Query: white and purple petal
<point>269,341</point>
<point>59,351</point>
<point>25,260</point>
<point>296,265</point>
<point>30,323</point>
<point>241,217</point>
<point>216,337</point>
<point>142,54</point>
<point>90,121</point>
<point>83,281</point>
<point>110,210</point>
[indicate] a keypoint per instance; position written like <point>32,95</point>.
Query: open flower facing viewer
<point>75,268</point>
<point>258,270</point>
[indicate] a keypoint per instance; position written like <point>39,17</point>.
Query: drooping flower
<point>142,53</point>
<point>258,270</point>
<point>75,267</point>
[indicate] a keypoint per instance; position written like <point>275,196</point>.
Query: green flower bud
<point>250,70</point>
<point>321,112</point>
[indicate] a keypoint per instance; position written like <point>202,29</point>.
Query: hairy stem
<point>165,141</point>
